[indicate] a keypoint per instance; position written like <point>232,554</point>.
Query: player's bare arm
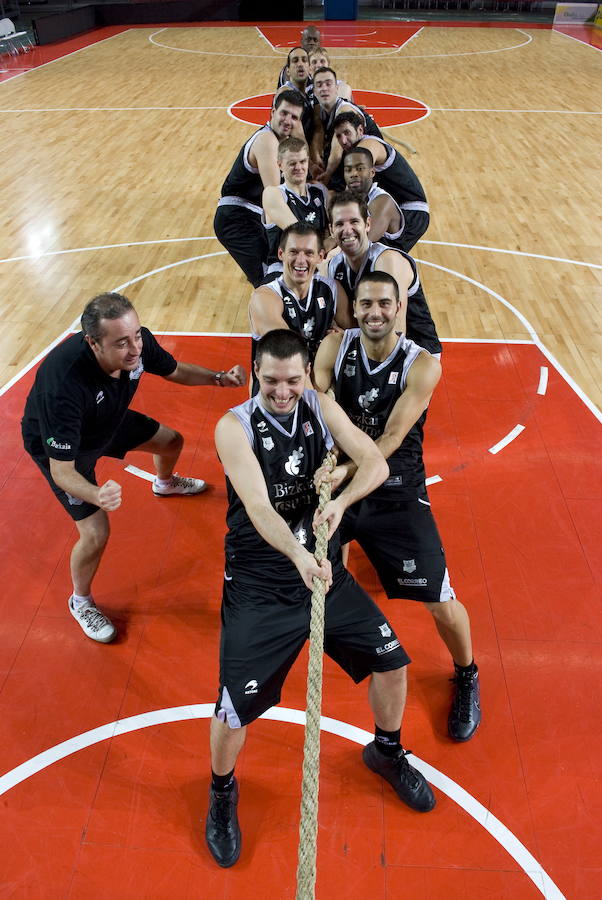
<point>422,379</point>
<point>323,367</point>
<point>382,210</point>
<point>265,311</point>
<point>263,156</point>
<point>275,208</point>
<point>66,476</point>
<point>243,470</point>
<point>378,151</point>
<point>344,313</point>
<point>370,466</point>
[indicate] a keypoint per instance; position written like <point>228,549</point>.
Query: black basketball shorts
<point>265,625</point>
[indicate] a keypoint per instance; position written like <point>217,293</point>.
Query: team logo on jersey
<point>291,310</point>
<point>409,566</point>
<point>301,535</point>
<point>352,355</point>
<point>308,327</point>
<point>321,302</point>
<point>268,443</point>
<point>307,429</point>
<point>349,371</point>
<point>100,397</point>
<point>293,463</point>
<point>251,687</point>
<point>366,400</point>
<point>137,372</point>
<point>310,218</point>
<point>261,426</point>
<point>339,276</point>
<point>385,630</point>
<point>393,376</point>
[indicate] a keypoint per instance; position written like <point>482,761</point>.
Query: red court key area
<point>386,109</point>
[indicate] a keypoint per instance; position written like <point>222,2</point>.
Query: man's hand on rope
<point>332,514</point>
<point>308,568</point>
<point>335,476</point>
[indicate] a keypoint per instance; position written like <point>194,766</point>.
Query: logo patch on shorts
<point>413,582</point>
<point>409,566</point>
<point>385,630</point>
<point>386,648</point>
<point>251,687</point>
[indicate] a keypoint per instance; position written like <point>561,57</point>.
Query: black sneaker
<point>407,782</point>
<point>222,831</point>
<point>465,713</point>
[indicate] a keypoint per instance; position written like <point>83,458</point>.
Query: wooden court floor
<point>113,157</point>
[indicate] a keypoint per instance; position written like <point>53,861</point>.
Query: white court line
<point>267,40</point>
<point>415,35</point>
<point>66,56</point>
<point>543,380</point>
<point>105,247</point>
<point>51,109</point>
<point>152,40</point>
<point>534,336</point>
<point>474,52</point>
<point>560,259</point>
<point>434,479</point>
<point>518,429</point>
<point>141,473</point>
<point>483,816</point>
<point>573,38</point>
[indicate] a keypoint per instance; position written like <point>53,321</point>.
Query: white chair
<point>10,38</point>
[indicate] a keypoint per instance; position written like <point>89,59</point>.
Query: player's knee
<point>94,534</point>
<point>444,612</point>
<point>174,441</point>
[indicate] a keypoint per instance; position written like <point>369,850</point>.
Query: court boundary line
<point>573,38</point>
<point>455,792</point>
<point>66,55</point>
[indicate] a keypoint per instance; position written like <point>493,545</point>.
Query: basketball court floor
<point>114,147</point>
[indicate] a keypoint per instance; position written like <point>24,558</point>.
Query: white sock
<point>163,482</point>
<point>78,600</point>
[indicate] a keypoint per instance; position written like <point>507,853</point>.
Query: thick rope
<point>308,826</point>
<point>401,143</point>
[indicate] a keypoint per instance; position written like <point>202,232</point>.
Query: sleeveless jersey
<point>288,453</point>
<point>368,391</point>
<point>397,177</point>
<point>419,322</point>
<point>310,317</point>
<point>243,185</point>
<point>311,209</point>
<point>391,239</point>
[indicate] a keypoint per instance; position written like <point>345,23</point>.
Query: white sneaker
<point>179,485</point>
<point>93,623</point>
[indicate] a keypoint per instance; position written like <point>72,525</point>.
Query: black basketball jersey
<point>243,185</point>
<point>419,322</point>
<point>288,453</point>
<point>368,390</point>
<point>397,177</point>
<point>311,209</point>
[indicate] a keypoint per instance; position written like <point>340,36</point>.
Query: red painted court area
<point>358,35</point>
<point>123,817</point>
<point>386,109</point>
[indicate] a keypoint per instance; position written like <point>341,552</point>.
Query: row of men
<point>271,447</point>
<point>268,185</point>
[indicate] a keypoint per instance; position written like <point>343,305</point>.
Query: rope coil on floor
<point>308,825</point>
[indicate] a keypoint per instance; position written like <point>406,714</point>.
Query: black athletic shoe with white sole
<point>465,713</point>
<point>222,831</point>
<point>407,782</point>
